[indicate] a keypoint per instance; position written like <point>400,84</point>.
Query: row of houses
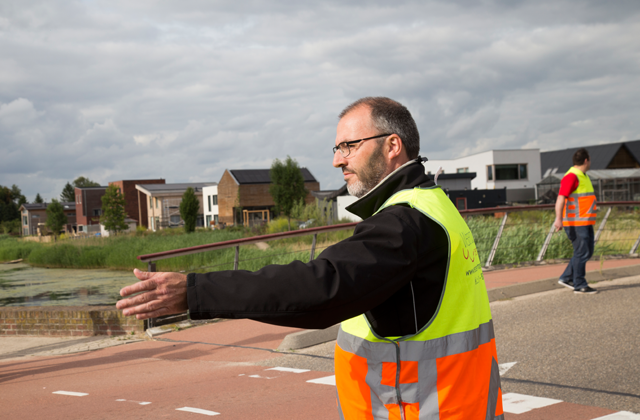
<point>487,179</point>
<point>241,197</point>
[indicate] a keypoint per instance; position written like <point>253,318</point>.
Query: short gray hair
<point>389,116</point>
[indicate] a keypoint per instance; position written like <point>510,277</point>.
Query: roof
<point>457,175</point>
<point>173,188</point>
<point>330,194</point>
<point>601,155</point>
<point>261,176</point>
<point>67,205</point>
<point>595,174</point>
<point>91,188</point>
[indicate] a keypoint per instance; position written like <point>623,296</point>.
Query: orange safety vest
<point>580,207</point>
<point>448,370</point>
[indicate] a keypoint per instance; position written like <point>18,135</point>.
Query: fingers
<point>142,286</point>
<point>142,275</point>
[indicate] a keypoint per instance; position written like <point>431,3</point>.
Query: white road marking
<point>286,369</point>
<point>144,403</point>
<point>327,380</point>
<point>121,400</point>
<point>518,403</point>
<point>622,415</point>
<point>505,367</point>
<point>73,394</point>
<point>198,411</point>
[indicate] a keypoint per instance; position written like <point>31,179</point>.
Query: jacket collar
<point>409,175</point>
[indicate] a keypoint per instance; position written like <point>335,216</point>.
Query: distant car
<point>306,224</point>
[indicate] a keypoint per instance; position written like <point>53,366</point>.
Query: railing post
<point>236,260</point>
<point>313,247</point>
<point>497,241</point>
<point>601,228</point>
<point>546,243</point>
<point>151,267</point>
<point>635,246</point>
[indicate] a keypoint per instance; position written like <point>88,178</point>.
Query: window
<point>97,212</point>
<point>156,202</point>
<point>215,219</point>
<point>25,221</point>
<point>175,219</point>
<point>214,199</point>
<point>461,203</point>
<point>36,216</point>
<point>462,170</point>
<point>510,172</point>
<point>208,220</point>
<point>490,173</point>
<point>209,205</point>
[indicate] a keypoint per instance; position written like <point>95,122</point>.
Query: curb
<point>309,338</point>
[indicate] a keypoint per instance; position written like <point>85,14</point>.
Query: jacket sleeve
<point>347,279</point>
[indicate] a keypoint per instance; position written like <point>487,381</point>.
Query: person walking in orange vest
<point>576,212</point>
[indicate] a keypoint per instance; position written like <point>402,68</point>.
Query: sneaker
<point>568,284</point>
<point>586,291</point>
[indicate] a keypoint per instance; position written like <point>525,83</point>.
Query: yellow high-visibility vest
<point>449,368</point>
<point>580,207</point>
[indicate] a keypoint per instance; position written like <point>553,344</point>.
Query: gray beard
<point>370,175</point>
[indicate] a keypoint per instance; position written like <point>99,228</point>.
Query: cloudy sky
<point>183,90</point>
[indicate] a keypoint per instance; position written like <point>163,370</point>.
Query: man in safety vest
<point>416,339</point>
<point>576,211</point>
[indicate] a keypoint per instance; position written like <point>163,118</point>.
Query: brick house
<point>32,215</point>
<point>89,208</point>
<point>248,189</point>
<point>136,203</point>
<point>163,203</point>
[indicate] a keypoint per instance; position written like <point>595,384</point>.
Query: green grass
<point>521,241</point>
<point>121,252</point>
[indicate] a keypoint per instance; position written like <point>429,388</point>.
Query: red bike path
<point>221,369</point>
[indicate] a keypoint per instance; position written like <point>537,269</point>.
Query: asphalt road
<point>583,349</point>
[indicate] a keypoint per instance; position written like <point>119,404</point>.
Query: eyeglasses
<point>345,146</point>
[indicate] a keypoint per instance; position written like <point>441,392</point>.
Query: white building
<point>210,203</point>
<point>518,170</point>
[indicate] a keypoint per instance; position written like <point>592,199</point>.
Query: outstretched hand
<point>162,294</point>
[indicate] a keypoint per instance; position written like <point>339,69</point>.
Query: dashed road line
<point>327,380</point>
<point>73,394</point>
<point>517,403</point>
<point>198,411</point>
<point>503,368</point>
<point>286,369</point>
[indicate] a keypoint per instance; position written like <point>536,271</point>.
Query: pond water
<point>23,285</point>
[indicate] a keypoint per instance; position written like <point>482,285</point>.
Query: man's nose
<point>338,160</point>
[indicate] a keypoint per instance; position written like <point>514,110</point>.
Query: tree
<point>38,199</point>
<point>287,186</point>
<point>81,182</point>
<point>113,210</point>
<point>56,219</point>
<point>189,208</point>
<point>68,194</point>
<point>17,197</point>
<point>8,208</point>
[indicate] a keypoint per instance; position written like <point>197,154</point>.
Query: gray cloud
<point>122,90</point>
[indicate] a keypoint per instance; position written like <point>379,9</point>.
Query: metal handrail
<point>243,241</point>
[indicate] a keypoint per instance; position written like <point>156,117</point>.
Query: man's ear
<point>395,146</point>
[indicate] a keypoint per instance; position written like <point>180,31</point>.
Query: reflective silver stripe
<point>418,350</point>
<point>581,194</point>
<point>339,406</point>
<point>494,387</point>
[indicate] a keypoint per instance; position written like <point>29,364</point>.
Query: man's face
<point>366,164</point>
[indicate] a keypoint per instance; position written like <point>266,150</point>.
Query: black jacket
<point>392,269</point>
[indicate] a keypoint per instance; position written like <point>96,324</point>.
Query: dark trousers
<point>581,238</point>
